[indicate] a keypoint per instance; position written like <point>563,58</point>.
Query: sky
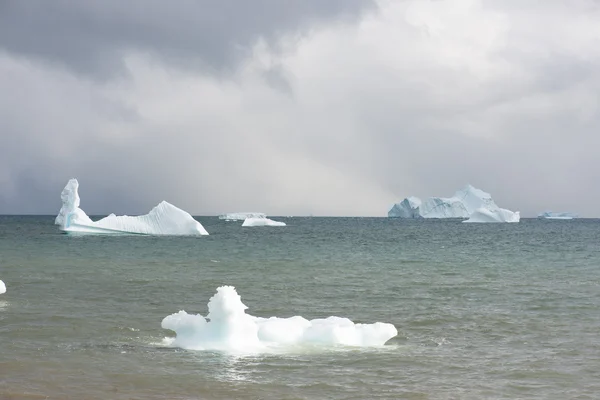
<point>333,108</point>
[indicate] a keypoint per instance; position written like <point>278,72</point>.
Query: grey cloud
<point>91,37</point>
<point>343,121</point>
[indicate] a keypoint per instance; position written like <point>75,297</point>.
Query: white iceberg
<point>261,222</point>
<point>164,219</point>
<point>463,204</point>
<point>240,216</point>
<point>494,215</point>
<point>557,215</point>
<point>228,328</point>
<point>2,287</point>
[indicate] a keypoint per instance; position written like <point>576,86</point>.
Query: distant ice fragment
<point>463,204</point>
<point>557,215</point>
<point>495,215</point>
<point>240,216</point>
<point>261,222</point>
<point>228,328</point>
<point>2,287</point>
<point>164,219</point>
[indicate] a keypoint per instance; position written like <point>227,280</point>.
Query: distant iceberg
<point>494,215</point>
<point>240,216</point>
<point>261,222</point>
<point>463,204</point>
<point>228,328</point>
<point>2,287</point>
<point>164,219</point>
<point>557,215</point>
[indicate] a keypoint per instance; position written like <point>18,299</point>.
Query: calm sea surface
<point>483,311</point>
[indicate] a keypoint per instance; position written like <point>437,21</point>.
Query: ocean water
<point>483,311</point>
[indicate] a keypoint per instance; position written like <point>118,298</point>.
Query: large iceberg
<point>228,328</point>
<point>164,219</point>
<point>240,216</point>
<point>557,215</point>
<point>463,204</point>
<point>2,287</point>
<point>261,222</point>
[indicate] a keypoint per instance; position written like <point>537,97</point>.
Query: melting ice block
<point>463,204</point>
<point>228,328</point>
<point>240,216</point>
<point>2,287</point>
<point>261,222</point>
<point>557,215</point>
<point>164,219</point>
<point>495,215</point>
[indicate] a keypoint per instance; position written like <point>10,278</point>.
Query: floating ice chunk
<point>164,219</point>
<point>2,287</point>
<point>227,327</point>
<point>240,216</point>
<point>496,215</point>
<point>557,215</point>
<point>463,204</point>
<point>261,222</point>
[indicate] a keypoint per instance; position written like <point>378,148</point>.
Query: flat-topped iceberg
<point>2,287</point>
<point>240,216</point>
<point>261,222</point>
<point>228,328</point>
<point>164,219</point>
<point>463,204</point>
<point>557,215</point>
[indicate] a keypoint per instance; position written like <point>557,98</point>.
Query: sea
<point>483,311</point>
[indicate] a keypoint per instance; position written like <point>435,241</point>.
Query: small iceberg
<point>240,216</point>
<point>2,287</point>
<point>164,219</point>
<point>228,328</point>
<point>261,222</point>
<point>494,215</point>
<point>557,215</point>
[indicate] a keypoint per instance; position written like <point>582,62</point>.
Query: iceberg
<point>2,287</point>
<point>463,204</point>
<point>557,215</point>
<point>261,222</point>
<point>494,215</point>
<point>240,216</point>
<point>228,328</point>
<point>164,219</point>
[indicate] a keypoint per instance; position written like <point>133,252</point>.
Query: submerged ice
<point>164,219</point>
<point>469,202</point>
<point>228,328</point>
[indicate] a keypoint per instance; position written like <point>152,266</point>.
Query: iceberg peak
<point>163,219</point>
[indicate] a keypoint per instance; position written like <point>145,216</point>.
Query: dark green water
<point>483,310</point>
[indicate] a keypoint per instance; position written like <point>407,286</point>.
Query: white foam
<point>240,216</point>
<point>228,328</point>
<point>261,222</point>
<point>164,219</point>
<point>2,287</point>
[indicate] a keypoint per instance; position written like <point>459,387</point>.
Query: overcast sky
<point>333,107</point>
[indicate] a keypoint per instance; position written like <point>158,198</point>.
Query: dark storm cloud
<point>92,36</point>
